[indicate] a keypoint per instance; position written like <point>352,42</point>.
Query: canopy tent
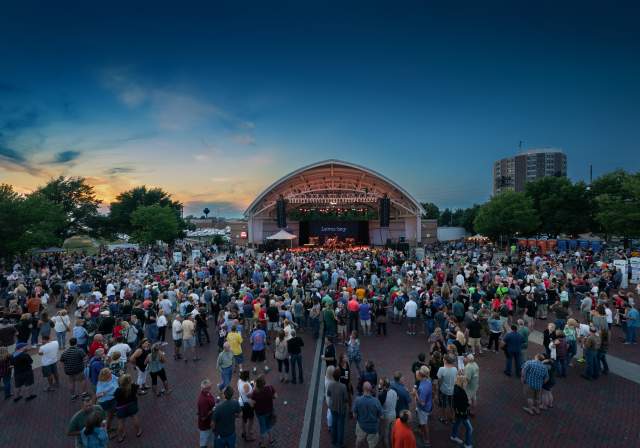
<point>282,235</point>
<point>477,238</point>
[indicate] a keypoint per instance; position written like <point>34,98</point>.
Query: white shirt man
<point>49,353</point>
<point>176,330</point>
<point>121,347</point>
<point>460,280</point>
<point>411,308</point>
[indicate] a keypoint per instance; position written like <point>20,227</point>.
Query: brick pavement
<point>586,414</point>
<point>169,421</point>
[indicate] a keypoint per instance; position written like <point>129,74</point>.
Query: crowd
<point>107,320</point>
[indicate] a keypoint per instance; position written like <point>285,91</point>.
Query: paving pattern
<point>587,414</point>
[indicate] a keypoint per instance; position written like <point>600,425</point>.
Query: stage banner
<point>342,229</point>
<point>177,257</point>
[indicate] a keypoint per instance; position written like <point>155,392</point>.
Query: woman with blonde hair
<point>461,410</point>
<point>105,393</point>
<point>571,338</point>
<point>328,379</point>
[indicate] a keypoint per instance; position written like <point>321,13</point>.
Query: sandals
<point>139,433</point>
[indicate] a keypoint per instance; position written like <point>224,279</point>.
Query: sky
<point>213,101</point>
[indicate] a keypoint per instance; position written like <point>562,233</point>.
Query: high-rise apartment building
<point>514,172</point>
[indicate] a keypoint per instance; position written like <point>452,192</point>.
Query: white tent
<point>282,235</point>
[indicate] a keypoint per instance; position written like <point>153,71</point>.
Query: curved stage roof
<point>331,181</point>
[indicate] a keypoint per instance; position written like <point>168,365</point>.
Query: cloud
<point>13,160</point>
<point>119,170</point>
<point>22,120</point>
<point>173,109</point>
<point>244,139</point>
<point>65,157</point>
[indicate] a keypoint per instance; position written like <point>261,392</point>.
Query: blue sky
<point>214,100</point>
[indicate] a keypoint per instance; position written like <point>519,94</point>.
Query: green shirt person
<point>77,422</point>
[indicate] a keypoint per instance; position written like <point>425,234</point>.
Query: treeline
<point>68,206</point>
<point>553,206</point>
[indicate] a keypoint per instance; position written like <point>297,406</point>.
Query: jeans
<point>517,360</point>
<point>35,332</point>
<point>495,339</point>
<point>631,335</point>
<point>593,368</point>
<point>225,442</point>
<point>561,367</point>
<point>337,429</point>
<point>572,350</point>
<point>467,423</point>
<point>560,323</point>
<point>296,359</point>
<point>353,321</point>
<point>6,380</point>
<point>602,361</point>
<point>315,325</point>
<point>283,363</point>
<point>226,373</point>
<point>62,338</point>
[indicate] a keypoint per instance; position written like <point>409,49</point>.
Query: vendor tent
<point>282,235</point>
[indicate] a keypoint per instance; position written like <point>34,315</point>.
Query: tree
<point>77,199</point>
<point>127,202</point>
<point>617,197</point>
<point>431,210</point>
<point>446,217</point>
<point>506,214</point>
<point>206,212</point>
<point>469,217</point>
<point>28,222</point>
<point>155,222</point>
<point>563,207</point>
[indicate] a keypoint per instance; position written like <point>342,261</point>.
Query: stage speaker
<point>281,213</point>
<point>385,211</point>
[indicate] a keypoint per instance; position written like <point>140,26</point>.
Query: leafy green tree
<point>155,222</point>
<point>77,199</point>
<point>127,202</point>
<point>431,210</point>
<point>469,217</point>
<point>505,215</point>
<point>28,222</point>
<point>617,197</point>
<point>446,217</point>
<point>563,206</point>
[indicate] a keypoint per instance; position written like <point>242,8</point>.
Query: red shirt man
<point>206,402</point>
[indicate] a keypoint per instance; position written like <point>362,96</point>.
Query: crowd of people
<point>107,320</point>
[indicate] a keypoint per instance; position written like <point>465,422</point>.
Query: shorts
<point>342,329</point>
<point>177,343</point>
<point>51,369</point>
<point>189,343</point>
<point>154,376</point>
<point>397,312</point>
<point>128,410</point>
<point>238,359</point>
<point>372,439</point>
<point>247,412</point>
<point>474,343</point>
<point>76,377</point>
<point>532,394</point>
<point>411,320</point>
<point>444,400</point>
<point>206,437</point>
<point>24,379</point>
<point>257,356</point>
<point>108,405</point>
<point>272,326</point>
<point>423,417</point>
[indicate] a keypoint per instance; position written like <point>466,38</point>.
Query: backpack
<point>398,304</point>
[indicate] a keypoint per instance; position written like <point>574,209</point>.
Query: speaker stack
<point>281,213</point>
<point>385,211</point>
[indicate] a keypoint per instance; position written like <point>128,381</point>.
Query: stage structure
<point>333,201</point>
